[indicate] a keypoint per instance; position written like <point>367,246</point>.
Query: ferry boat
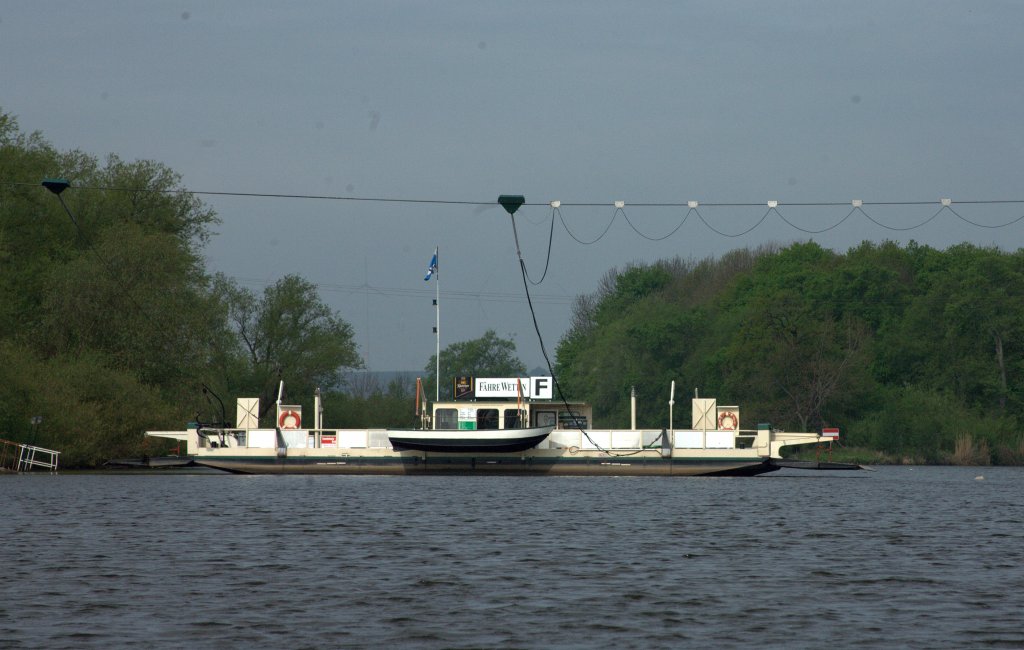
<point>499,426</point>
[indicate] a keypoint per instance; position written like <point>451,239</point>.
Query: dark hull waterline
<point>465,445</point>
<point>421,463</point>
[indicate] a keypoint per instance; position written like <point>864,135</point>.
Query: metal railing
<point>20,457</point>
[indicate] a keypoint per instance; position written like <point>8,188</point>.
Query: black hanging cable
<point>578,240</point>
<point>774,205</point>
<point>877,223</point>
<point>725,234</point>
<point>547,359</point>
<point>817,232</point>
<point>103,260</point>
<point>547,264</point>
<point>981,225</point>
<point>663,237</point>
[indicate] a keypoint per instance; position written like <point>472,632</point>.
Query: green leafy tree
<point>646,327</point>
<point>89,411</point>
<point>984,327</point>
<point>107,311</point>
<point>136,297</point>
<point>121,275</point>
<point>287,334</point>
<point>793,362</point>
<point>796,348</point>
<point>368,403</point>
<point>487,356</point>
<point>907,347</point>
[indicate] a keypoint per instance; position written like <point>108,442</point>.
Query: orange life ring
<point>727,415</point>
<point>289,420</point>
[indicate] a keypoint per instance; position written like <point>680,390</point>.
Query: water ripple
<point>902,557</point>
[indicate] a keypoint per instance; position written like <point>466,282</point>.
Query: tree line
<point>914,352</point>
<point>111,325</point>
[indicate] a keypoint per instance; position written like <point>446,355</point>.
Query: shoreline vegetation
<point>917,354</point>
<point>969,456</point>
<point>968,452</point>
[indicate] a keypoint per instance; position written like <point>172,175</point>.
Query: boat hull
<point>462,441</point>
<point>426,463</point>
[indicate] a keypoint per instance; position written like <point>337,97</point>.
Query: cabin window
<point>487,418</point>
<point>544,419</point>
<point>512,419</point>
<point>446,419</point>
<point>571,420</point>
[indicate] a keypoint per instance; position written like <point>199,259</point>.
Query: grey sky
<point>584,102</point>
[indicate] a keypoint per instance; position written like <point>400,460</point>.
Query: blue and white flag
<point>433,266</point>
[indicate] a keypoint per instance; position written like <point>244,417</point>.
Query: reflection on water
<point>921,557</point>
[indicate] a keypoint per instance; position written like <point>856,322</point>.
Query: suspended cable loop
<point>580,241</point>
<point>724,234</point>
<point>981,225</point>
<point>894,228</point>
<point>816,232</point>
<point>663,237</point>
<point>547,263</point>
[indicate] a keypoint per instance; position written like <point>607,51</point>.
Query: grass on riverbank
<point>967,451</point>
<point>853,455</point>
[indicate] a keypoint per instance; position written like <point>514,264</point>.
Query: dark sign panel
<point>464,388</point>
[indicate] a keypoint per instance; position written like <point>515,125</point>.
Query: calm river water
<point>901,557</point>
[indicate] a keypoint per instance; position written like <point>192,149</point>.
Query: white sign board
<point>247,413</point>
<point>689,440</point>
<point>261,439</point>
<point>705,414</point>
<point>527,387</point>
<point>720,440</point>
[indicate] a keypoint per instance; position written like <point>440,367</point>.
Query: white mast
<point>437,327</point>
<point>432,274</point>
